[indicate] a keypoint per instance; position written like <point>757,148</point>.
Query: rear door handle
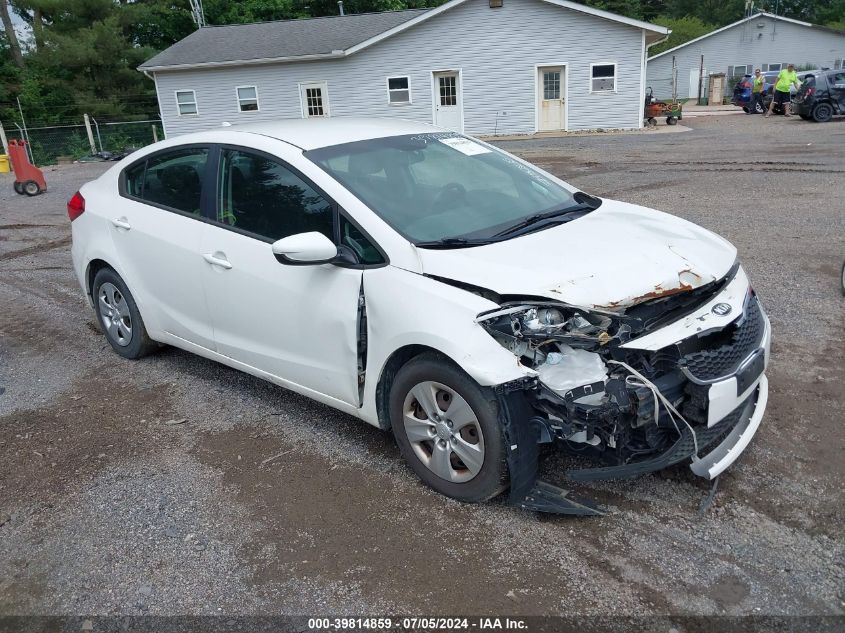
<point>217,259</point>
<point>122,223</point>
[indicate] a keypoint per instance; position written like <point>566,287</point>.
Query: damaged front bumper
<point>715,376</point>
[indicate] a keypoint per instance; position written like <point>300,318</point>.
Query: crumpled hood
<point>615,257</point>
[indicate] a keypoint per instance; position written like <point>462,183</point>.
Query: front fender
<point>405,308</point>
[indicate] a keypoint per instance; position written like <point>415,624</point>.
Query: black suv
<point>821,95</point>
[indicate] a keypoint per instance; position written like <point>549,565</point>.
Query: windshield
<point>441,185</point>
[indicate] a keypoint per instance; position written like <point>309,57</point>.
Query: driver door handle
<point>217,259</point>
<point>121,223</point>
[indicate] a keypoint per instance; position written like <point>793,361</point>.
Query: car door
<point>156,230</point>
<point>298,323</point>
<point>836,83</point>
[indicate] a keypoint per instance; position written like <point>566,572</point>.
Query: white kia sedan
<point>436,286</point>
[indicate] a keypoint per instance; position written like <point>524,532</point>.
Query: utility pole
<point>197,13</point>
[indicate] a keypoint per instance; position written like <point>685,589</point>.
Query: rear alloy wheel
<point>447,429</point>
<point>119,317</point>
<point>823,112</point>
<point>758,108</point>
<point>31,188</point>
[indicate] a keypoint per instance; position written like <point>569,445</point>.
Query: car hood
<point>615,257</point>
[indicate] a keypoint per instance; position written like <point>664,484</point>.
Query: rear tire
<point>119,317</point>
<point>31,188</point>
<point>441,417</point>
<point>18,187</point>
<point>670,120</point>
<point>823,112</point>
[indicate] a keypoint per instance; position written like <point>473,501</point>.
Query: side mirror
<point>303,249</point>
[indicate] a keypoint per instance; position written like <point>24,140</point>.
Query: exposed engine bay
<point>635,410</point>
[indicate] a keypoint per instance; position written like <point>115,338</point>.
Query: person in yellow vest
<point>757,84</point>
<point>786,78</point>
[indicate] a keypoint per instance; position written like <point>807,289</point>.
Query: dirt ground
<point>263,502</point>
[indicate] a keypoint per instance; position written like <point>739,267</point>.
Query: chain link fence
<point>47,143</point>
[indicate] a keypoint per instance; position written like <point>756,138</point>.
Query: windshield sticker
<point>465,146</point>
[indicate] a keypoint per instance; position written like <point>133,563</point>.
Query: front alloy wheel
<point>443,431</point>
<point>115,315</point>
<point>447,428</point>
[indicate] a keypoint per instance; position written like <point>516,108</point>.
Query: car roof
<point>323,132</point>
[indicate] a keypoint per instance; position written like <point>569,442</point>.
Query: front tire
<point>823,112</point>
<point>119,317</point>
<point>447,429</point>
<point>18,187</point>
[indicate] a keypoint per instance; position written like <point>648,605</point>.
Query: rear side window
<point>170,179</point>
<point>263,197</point>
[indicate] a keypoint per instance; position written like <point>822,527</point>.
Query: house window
<point>186,102</point>
<point>398,90</point>
<point>772,67</point>
<point>602,77</point>
<point>740,70</point>
<point>247,98</point>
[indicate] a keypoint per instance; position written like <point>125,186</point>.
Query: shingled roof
<point>277,41</point>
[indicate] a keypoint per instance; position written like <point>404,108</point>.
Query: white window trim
<point>179,110</point>
<point>615,78</point>
<point>746,66</point>
<point>238,99</point>
<point>410,92</point>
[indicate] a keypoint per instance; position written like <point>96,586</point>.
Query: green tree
<point>683,30</point>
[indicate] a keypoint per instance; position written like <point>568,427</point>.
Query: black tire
<point>806,117</point>
<point>652,122</point>
<point>492,478</point>
<point>31,188</point>
<point>139,343</point>
<point>823,112</point>
<point>18,187</point>
<point>670,120</point>
<point>746,110</point>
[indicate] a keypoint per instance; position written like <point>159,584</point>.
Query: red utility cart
<point>28,178</point>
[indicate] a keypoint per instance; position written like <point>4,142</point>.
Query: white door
<point>447,101</point>
<point>551,86</point>
<point>315,99</point>
<point>297,323</point>
<point>693,83</point>
<point>156,229</point>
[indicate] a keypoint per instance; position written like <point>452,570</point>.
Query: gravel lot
<point>264,502</point>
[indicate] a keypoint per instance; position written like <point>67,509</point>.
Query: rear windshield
<point>440,185</point>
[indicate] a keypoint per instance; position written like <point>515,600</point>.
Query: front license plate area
<point>750,371</point>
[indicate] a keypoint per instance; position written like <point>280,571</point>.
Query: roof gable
<point>316,38</point>
<point>756,16</point>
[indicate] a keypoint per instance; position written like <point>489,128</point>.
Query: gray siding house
<point>762,41</point>
<point>480,66</point>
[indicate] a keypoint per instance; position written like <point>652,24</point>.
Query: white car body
<point>303,334</point>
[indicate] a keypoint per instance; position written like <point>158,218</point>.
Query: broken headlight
<point>535,330</point>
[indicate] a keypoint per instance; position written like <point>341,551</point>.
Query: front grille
<point>743,337</point>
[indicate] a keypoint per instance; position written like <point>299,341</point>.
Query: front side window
<point>602,77</point>
<point>172,179</point>
<point>398,90</point>
<point>441,185</point>
<point>247,98</point>
<point>186,102</point>
<point>263,197</point>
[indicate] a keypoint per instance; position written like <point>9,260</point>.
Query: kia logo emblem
<point>721,309</point>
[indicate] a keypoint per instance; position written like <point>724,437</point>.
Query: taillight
<point>75,206</point>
